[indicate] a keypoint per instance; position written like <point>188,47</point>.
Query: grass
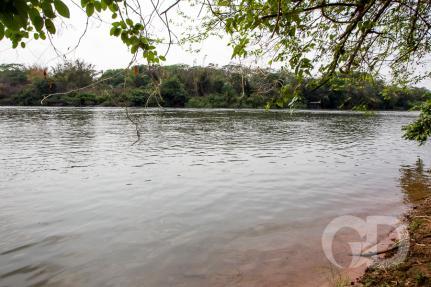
<point>341,281</point>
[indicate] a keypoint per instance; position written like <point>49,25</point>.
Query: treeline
<point>79,84</point>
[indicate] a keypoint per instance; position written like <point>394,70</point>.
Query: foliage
<point>198,102</point>
<point>23,19</point>
<point>352,35</point>
<point>407,98</point>
<point>173,93</point>
<point>14,74</point>
<point>12,79</point>
<point>72,75</point>
<point>197,87</point>
<point>420,130</point>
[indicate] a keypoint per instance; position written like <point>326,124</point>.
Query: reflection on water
<point>207,198</point>
<point>415,181</point>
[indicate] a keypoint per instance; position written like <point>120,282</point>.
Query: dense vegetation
<point>199,87</point>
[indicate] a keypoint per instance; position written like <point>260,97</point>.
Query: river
<point>205,198</point>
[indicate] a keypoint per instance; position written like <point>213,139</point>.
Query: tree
<point>24,19</point>
<point>12,78</point>
<point>77,84</point>
<point>173,93</point>
<point>73,75</point>
<point>420,130</point>
<point>351,35</point>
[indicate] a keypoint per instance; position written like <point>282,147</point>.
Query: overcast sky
<point>104,51</point>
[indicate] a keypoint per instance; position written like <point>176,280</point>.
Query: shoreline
<point>415,270</point>
<point>209,108</point>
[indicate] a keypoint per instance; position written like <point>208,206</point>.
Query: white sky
<point>102,50</point>
<point>105,52</point>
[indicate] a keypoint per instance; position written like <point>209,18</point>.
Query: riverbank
<point>230,86</point>
<point>416,269</point>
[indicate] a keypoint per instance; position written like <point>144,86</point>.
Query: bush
<point>173,93</point>
<point>254,101</point>
<point>198,102</point>
<point>87,99</point>
<point>138,97</point>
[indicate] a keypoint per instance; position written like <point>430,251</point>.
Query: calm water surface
<point>206,198</point>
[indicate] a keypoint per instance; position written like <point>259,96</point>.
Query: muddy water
<point>206,198</point>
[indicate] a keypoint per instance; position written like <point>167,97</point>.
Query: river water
<point>205,198</point>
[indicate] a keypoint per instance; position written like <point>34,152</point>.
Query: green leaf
<point>36,19</point>
<point>134,40</point>
<point>134,49</point>
<point>97,6</point>
<point>115,31</point>
<point>22,15</point>
<point>47,9</point>
<point>163,58</point>
<point>1,31</point>
<point>129,22</point>
<point>50,26</point>
<point>61,8</point>
<point>125,38</point>
<point>90,9</point>
<point>113,7</point>
<point>7,20</point>
<point>111,32</point>
<point>22,45</point>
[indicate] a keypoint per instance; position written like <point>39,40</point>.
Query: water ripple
<point>205,192</point>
